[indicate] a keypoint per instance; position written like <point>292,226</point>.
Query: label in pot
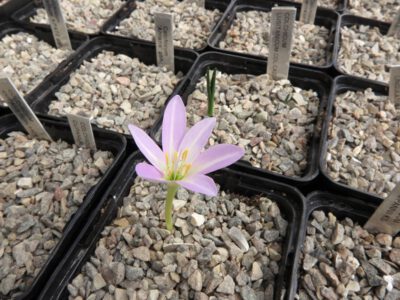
<point>395,27</point>
<point>280,41</point>
<point>394,84</point>
<point>164,40</point>
<point>308,11</point>
<point>21,109</point>
<point>386,218</point>
<point>57,24</point>
<point>82,131</point>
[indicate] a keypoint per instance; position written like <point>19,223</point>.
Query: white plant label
<point>394,29</point>
<point>394,84</point>
<point>199,3</point>
<point>21,109</point>
<point>280,41</point>
<point>308,11</point>
<point>386,218</point>
<point>82,131</point>
<point>57,24</point>
<point>164,40</point>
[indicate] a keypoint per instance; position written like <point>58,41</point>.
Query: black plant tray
<point>342,206</point>
<point>27,11</point>
<point>300,77</point>
<point>11,6</point>
<point>105,141</point>
<point>144,51</point>
<point>110,26</point>
<point>289,200</point>
<point>340,85</point>
<point>348,21</point>
<point>325,17</point>
<point>44,35</point>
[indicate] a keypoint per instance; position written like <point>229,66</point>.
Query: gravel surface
<point>365,52</point>
<point>272,120</point>
<point>249,33</point>
<point>26,60</point>
<point>192,24</point>
<point>364,142</point>
<point>341,260</point>
<point>332,4</point>
<point>382,10</point>
<point>116,90</point>
<point>42,186</point>
<point>222,247</point>
<point>86,16</point>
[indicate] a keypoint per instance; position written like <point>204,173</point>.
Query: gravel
<point>341,260</point>
<point>86,16</point>
<point>116,90</point>
<point>272,120</point>
<point>42,186</point>
<point>192,24</point>
<point>249,33</point>
<point>382,10</point>
<point>137,256</point>
<point>332,4</point>
<point>365,52</point>
<point>363,142</point>
<point>26,60</point>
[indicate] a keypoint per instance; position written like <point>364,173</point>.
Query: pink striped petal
<point>217,157</point>
<point>149,172</point>
<point>196,138</point>
<point>200,183</point>
<point>148,147</point>
<point>174,125</point>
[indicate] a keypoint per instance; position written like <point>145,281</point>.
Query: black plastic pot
<point>105,141</point>
<point>130,6</point>
<point>325,17</point>
<point>23,15</point>
<point>289,200</point>
<point>348,21</point>
<point>341,85</point>
<point>300,77</point>
<point>10,7</point>
<point>44,35</point>
<point>342,206</point>
<point>144,51</point>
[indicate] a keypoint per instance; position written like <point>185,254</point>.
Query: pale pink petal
<point>217,157</point>
<point>148,172</point>
<point>174,125</point>
<point>200,183</point>
<point>148,147</point>
<point>196,138</point>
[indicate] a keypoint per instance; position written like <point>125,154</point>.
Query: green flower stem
<point>171,192</point>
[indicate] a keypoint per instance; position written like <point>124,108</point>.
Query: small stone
<point>237,236</point>
<point>197,220</point>
<point>338,234</point>
<point>248,293</point>
<point>195,281</point>
<point>384,239</point>
<point>256,272</point>
<point>120,294</point>
<point>227,286</point>
<point>25,183</point>
<point>142,253</point>
<point>133,273</point>
<point>98,282</point>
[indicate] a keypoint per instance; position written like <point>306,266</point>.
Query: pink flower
<point>182,160</point>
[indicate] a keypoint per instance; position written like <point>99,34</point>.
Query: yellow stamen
<point>185,154</point>
<point>186,169</point>
<point>166,158</point>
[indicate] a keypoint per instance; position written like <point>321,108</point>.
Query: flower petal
<point>148,147</point>
<point>200,183</point>
<point>174,125</point>
<point>149,172</point>
<point>196,138</point>
<point>217,157</point>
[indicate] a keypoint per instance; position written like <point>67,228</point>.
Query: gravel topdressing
<point>382,10</point>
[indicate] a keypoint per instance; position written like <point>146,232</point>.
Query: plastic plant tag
<point>199,3</point>
<point>21,109</point>
<point>394,84</point>
<point>164,41</point>
<point>82,131</point>
<point>280,41</point>
<point>308,11</point>
<point>57,24</point>
<point>386,218</point>
<point>395,27</point>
